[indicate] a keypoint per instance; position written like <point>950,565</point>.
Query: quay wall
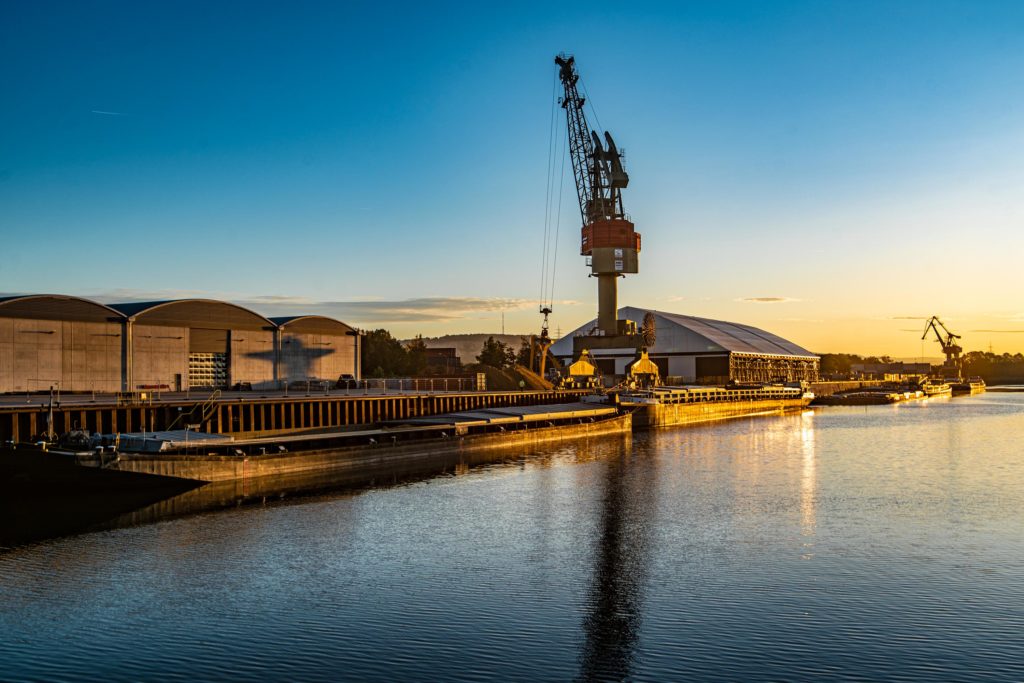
<point>217,468</point>
<point>258,416</point>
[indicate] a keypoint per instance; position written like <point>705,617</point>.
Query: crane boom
<point>948,342</point>
<point>580,146</point>
<point>607,236</point>
<point>596,166</point>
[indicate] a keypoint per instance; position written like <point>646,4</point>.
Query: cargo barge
<point>892,393</point>
<point>968,387</point>
<point>668,406</point>
<point>208,458</point>
<point>880,397</point>
<point>211,457</point>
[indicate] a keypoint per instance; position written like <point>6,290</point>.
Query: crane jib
<point>599,174</point>
<point>607,236</point>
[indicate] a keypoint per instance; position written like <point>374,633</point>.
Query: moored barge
<point>667,406</point>
<point>208,458</point>
<point>968,387</point>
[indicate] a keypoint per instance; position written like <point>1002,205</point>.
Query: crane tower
<point>607,236</point>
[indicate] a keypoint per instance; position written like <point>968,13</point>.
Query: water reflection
<point>808,483</point>
<point>30,511</point>
<point>657,557</point>
<point>48,511</point>
<point>621,562</point>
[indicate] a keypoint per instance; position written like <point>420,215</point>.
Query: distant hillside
<point>467,346</point>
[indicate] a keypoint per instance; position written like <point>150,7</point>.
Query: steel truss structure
<point>745,368</point>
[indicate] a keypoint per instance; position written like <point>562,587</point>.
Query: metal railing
<point>408,385</point>
<point>148,392</point>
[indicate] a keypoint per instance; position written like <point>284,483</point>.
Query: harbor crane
<point>946,339</point>
<point>607,237</point>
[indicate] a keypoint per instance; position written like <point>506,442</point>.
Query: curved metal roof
<point>57,307</point>
<point>730,336</point>
<point>312,324</point>
<point>702,334</point>
<point>201,313</point>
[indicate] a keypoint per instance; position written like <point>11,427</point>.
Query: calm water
<point>862,543</point>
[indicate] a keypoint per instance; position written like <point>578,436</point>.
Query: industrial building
<point>893,371</point>
<point>688,349</point>
<point>443,360</point>
<point>75,344</point>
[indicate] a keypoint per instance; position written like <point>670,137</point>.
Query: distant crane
<point>946,339</point>
<point>608,237</point>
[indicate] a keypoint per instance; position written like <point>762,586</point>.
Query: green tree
<point>383,355</point>
<point>496,354</point>
<point>838,363</point>
<point>416,356</point>
<point>523,357</point>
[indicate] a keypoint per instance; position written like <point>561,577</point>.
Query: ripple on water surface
<point>863,543</point>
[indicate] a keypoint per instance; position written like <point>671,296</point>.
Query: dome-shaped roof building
<point>688,349</point>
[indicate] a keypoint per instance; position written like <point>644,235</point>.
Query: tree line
<point>383,355</point>
<point>989,366</point>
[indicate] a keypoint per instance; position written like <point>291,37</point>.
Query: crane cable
<point>558,220</point>
<point>557,147</point>
<point>548,193</point>
<point>593,109</point>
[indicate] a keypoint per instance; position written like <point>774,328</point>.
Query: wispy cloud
<point>1010,317</point>
<point>107,113</point>
<point>910,317</point>
<point>128,295</point>
<point>675,297</point>
<point>767,300</point>
<point>1000,331</point>
<point>276,299</point>
<point>421,309</point>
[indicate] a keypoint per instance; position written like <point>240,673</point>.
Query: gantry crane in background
<point>608,237</point>
<point>947,340</point>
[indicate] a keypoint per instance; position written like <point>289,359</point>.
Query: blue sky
<point>857,163</point>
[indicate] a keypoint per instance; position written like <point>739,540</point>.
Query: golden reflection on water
<point>808,483</point>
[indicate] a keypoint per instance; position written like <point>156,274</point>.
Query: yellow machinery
<point>581,374</point>
<point>643,372</point>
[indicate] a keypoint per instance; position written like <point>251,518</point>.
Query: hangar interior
<point>75,344</point>
<point>691,350</point>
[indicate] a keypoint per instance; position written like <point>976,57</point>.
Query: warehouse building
<point>316,346</point>
<point>59,340</point>
<point>75,344</point>
<point>689,350</point>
